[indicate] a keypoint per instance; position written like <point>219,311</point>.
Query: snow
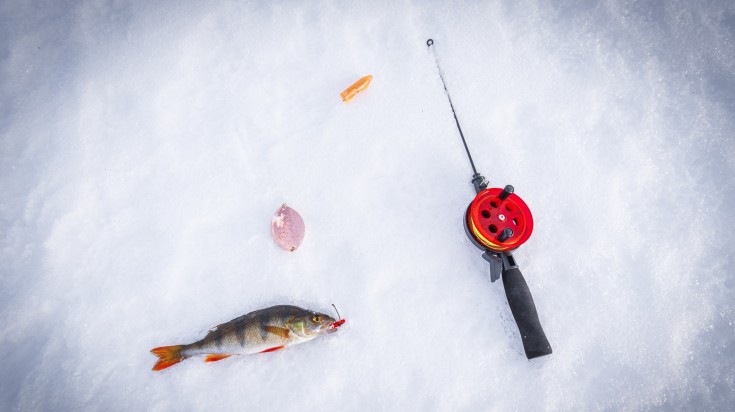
<point>145,145</point>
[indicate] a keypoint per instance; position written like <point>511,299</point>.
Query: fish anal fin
<point>216,357</point>
<point>282,332</point>
<point>273,349</point>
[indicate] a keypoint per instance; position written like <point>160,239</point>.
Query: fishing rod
<point>498,221</point>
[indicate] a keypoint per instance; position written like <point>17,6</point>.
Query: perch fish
<point>264,330</point>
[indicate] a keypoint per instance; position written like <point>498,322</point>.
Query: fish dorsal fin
<point>229,325</point>
<point>278,331</point>
<point>259,317</point>
<point>214,331</point>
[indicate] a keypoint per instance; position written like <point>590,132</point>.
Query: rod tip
<point>429,42</point>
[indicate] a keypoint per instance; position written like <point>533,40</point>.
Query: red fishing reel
<point>498,220</point>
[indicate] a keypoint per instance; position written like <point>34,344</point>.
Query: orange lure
<point>356,88</point>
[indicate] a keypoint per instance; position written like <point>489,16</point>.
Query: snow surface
<point>145,146</point>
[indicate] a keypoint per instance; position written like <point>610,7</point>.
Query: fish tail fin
<point>167,356</point>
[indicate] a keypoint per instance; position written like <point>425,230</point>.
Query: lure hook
<point>340,322</point>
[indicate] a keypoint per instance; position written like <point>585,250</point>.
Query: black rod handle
<point>524,312</point>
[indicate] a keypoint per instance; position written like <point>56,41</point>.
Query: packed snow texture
<point>145,145</point>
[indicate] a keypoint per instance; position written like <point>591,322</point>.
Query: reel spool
<point>498,220</point>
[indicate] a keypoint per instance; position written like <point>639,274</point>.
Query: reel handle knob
<point>507,191</point>
<point>524,312</point>
<point>507,234</point>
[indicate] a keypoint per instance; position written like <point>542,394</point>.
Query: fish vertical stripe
<point>263,332</point>
<point>240,333</point>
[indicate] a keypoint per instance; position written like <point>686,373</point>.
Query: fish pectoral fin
<point>216,357</point>
<point>282,332</point>
<point>273,349</point>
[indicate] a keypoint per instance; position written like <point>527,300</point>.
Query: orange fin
<point>356,88</point>
<point>282,332</point>
<point>216,357</point>
<point>273,349</point>
<point>167,356</point>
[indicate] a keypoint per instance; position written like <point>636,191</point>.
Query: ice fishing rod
<point>498,221</point>
<point>429,43</point>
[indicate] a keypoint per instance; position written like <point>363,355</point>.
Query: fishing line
<point>429,43</point>
<point>338,315</point>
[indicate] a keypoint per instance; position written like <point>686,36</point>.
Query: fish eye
<point>316,318</point>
